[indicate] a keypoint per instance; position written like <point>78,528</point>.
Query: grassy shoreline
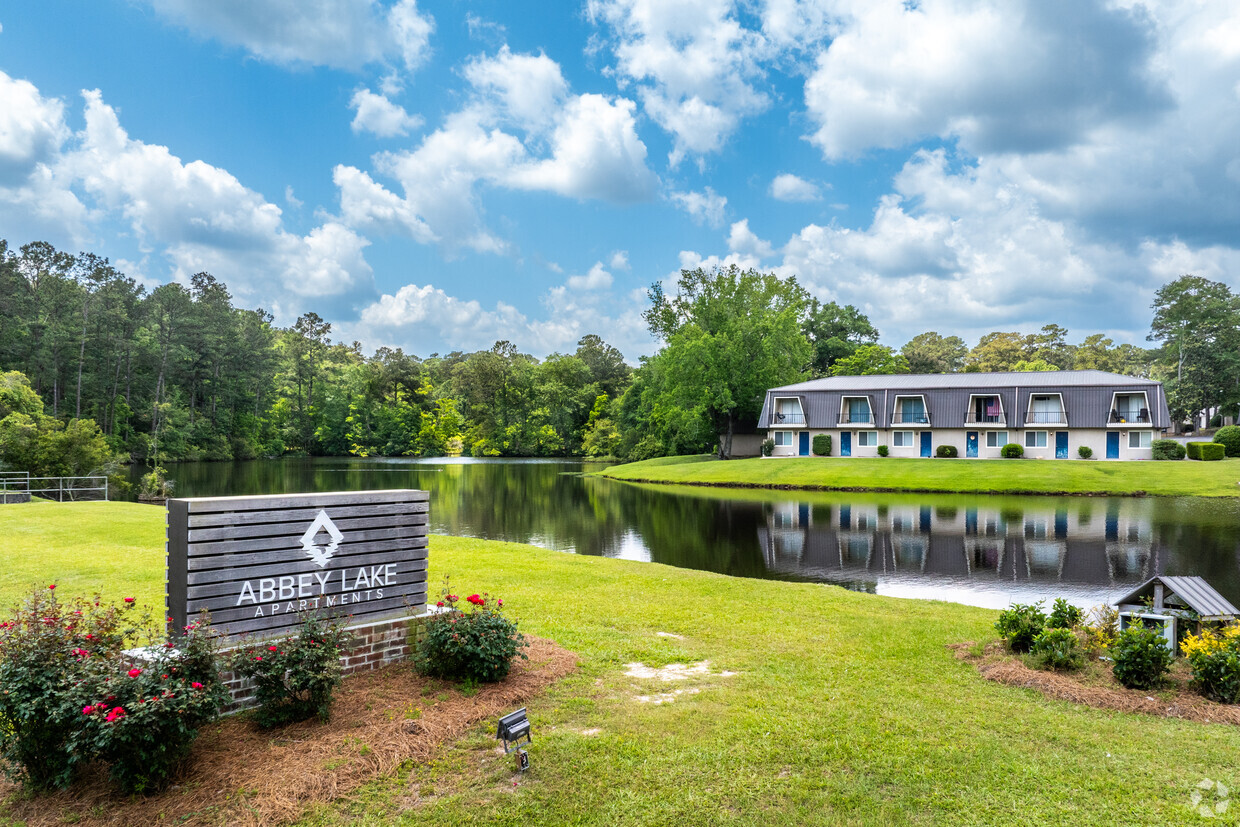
<point>1053,477</point>
<point>816,705</point>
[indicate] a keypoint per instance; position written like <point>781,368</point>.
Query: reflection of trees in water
<point>766,534</point>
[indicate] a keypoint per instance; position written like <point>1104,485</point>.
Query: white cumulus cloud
<point>706,206</point>
<point>343,33</point>
<point>375,113</point>
<point>789,187</point>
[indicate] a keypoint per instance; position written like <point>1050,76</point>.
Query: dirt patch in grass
<point>240,775</point>
<point>1095,686</point>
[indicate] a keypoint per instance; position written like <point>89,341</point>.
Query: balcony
<point>1046,418</point>
<point>856,418</point>
<point>1139,416</point>
<point>788,419</point>
<point>910,418</point>
<point>974,418</point>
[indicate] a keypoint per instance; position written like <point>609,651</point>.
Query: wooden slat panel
<point>293,543</point>
<point>264,627</point>
<point>225,619</point>
<point>297,528</point>
<point>205,505</point>
<point>217,544</point>
<point>295,553</point>
<point>205,578</point>
<point>284,515</point>
<point>225,607</point>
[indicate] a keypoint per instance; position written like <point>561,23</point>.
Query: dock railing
<point>19,487</point>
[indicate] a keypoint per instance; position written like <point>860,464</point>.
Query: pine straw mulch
<point>237,774</point>
<point>1095,686</point>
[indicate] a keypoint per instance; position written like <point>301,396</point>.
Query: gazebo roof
<point>1185,592</point>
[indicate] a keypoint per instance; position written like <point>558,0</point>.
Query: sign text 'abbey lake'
<point>256,563</point>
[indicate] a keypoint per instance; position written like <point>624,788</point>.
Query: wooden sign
<point>256,563</point>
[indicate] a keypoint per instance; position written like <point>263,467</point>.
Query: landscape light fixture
<point>512,728</point>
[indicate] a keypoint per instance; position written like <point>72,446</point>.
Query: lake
<point>979,550</point>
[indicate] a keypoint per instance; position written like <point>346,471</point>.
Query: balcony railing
<point>856,418</point>
<point>910,418</point>
<point>1046,418</point>
<point>1142,415</point>
<point>789,419</point>
<point>973,418</point>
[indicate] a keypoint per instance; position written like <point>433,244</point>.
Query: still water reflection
<point>985,551</point>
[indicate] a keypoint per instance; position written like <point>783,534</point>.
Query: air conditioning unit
<point>1164,624</point>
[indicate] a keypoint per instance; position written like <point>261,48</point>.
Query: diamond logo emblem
<point>321,554</point>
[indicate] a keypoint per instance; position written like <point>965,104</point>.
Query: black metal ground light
<point>512,728</point>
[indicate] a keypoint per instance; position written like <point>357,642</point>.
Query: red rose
<point>52,588</point>
<point>129,599</point>
<point>196,685</point>
<point>133,673</point>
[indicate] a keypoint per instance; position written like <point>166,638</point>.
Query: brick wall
<point>371,646</point>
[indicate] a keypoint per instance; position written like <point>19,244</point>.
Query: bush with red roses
<point>71,694</point>
<point>473,644</point>
<point>296,676</point>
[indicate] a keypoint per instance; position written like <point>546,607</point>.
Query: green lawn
<point>843,708</point>
<point>1184,478</point>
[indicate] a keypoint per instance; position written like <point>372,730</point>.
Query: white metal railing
<point>19,487</point>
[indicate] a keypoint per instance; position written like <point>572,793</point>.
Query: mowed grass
<point>83,547</point>
<point>1183,478</point>
<point>842,708</point>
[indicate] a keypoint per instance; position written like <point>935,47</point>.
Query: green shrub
<point>822,445</point>
<point>47,646</point>
<point>1165,449</point>
<point>1206,451</point>
<point>296,676</point>
<point>1064,615</point>
<point>946,452</point>
<point>768,446</point>
<point>1057,648</point>
<point>1085,452</point>
<point>1019,624</point>
<point>142,716</point>
<point>1012,450</point>
<point>473,644</point>
<point>883,450</point>
<point>1141,657</point>
<point>1215,661</point>
<point>1229,438</point>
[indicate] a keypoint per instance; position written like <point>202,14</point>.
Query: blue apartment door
<point>803,447</point>
<point>846,444</point>
<point>925,443</point>
<point>1113,445</point>
<point>970,444</point>
<point>1061,445</point>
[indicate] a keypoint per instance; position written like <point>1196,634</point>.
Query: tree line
<point>181,373</point>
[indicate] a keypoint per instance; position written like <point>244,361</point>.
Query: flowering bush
<point>472,644</point>
<point>296,676</point>
<point>47,646</point>
<point>143,715</point>
<point>69,694</point>
<point>1215,661</point>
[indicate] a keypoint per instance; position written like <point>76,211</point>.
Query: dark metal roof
<point>1009,379</point>
<point>1195,593</point>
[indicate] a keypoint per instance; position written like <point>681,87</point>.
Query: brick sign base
<point>370,646</point>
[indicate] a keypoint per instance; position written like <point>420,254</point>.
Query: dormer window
<point>911,410</point>
<point>1129,409</point>
<point>788,411</point>
<point>855,410</point>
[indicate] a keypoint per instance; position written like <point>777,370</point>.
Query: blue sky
<point>440,175</point>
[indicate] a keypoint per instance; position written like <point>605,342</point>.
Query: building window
<point>911,409</point>
<point>783,439</point>
<point>1138,439</point>
<point>1035,439</point>
<point>996,439</point>
<point>867,439</point>
<point>902,439</point>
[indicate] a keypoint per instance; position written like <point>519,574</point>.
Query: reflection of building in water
<point>1028,550</point>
